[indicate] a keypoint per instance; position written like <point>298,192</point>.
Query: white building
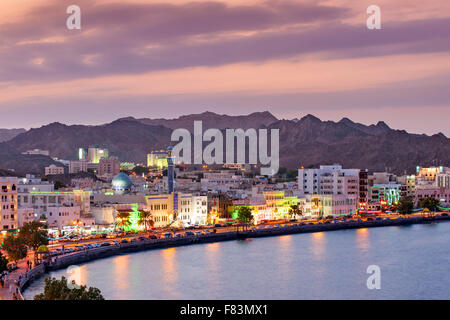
<point>8,203</point>
<point>42,201</point>
<point>52,169</point>
<point>335,205</point>
<point>32,184</point>
<point>188,209</point>
<point>329,180</point>
<point>59,217</point>
<point>104,214</point>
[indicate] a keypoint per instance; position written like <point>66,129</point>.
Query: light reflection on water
<point>414,264</point>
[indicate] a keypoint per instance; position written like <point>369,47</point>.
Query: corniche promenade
<point>80,257</point>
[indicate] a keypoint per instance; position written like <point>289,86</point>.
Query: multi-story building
<point>92,154</point>
<point>42,201</point>
<point>329,180</point>
<point>78,166</point>
<point>363,187</point>
<point>408,185</point>
<point>53,169</point>
<point>439,193</point>
<point>158,159</point>
<point>269,205</point>
<point>429,174</point>
<point>8,203</point>
<point>32,184</point>
<point>109,166</point>
<point>59,217</point>
<point>386,194</point>
<point>382,178</point>
<point>336,205</point>
<point>188,209</point>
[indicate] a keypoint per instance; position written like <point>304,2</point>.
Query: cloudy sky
<point>161,58</point>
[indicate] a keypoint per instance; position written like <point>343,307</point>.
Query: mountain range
<point>8,134</point>
<point>306,141</point>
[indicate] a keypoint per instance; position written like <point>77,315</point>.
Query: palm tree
<point>145,219</point>
<point>123,219</point>
<point>295,211</point>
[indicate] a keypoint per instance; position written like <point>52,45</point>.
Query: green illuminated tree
<point>123,219</point>
<point>245,215</point>
<point>145,220</point>
<point>405,205</point>
<point>61,290</point>
<point>429,203</point>
<point>15,248</point>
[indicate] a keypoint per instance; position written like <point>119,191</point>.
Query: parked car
<point>124,241</point>
<point>199,233</point>
<point>189,234</point>
<point>178,235</point>
<point>152,236</point>
<point>133,240</point>
<point>116,243</point>
<point>142,238</point>
<point>105,244</point>
<point>167,235</point>
<point>444,214</point>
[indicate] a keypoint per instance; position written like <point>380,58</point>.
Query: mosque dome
<point>121,182</point>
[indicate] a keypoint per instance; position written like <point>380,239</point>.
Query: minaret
<point>170,170</point>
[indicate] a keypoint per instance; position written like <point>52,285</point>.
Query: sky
<point>156,58</point>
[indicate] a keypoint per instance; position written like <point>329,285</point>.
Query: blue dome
<point>121,182</point>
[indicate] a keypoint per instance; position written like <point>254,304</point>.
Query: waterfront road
<point>267,229</point>
<point>212,229</point>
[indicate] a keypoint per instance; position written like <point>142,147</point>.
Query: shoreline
<point>105,252</point>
